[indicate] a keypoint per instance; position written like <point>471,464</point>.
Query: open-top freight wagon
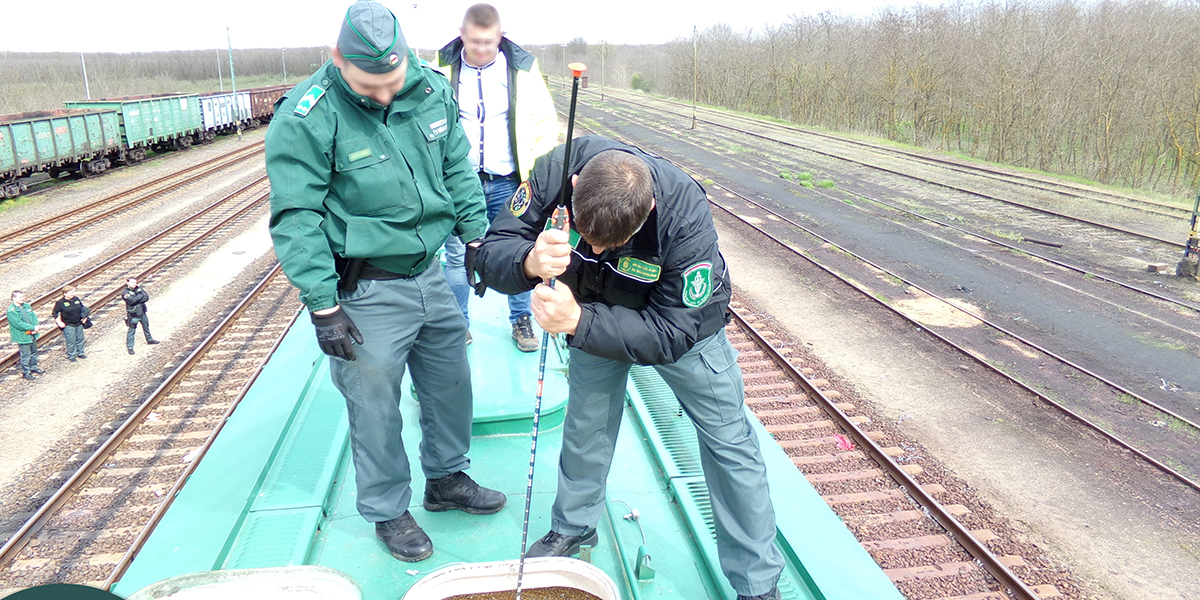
<point>55,141</point>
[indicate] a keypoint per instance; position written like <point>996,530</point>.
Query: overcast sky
<point>90,26</point>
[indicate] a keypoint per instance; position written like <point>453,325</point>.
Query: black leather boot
<point>557,544</point>
<point>404,538</point>
<point>457,491</point>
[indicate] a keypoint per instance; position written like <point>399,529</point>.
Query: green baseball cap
<point>371,38</point>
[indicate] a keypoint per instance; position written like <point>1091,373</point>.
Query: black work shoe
<point>151,342</point>
<point>557,544</point>
<point>131,350</point>
<point>523,334</point>
<point>457,491</point>
<point>771,595</point>
<point>71,358</point>
<point>82,356</point>
<point>37,371</point>
<point>29,376</point>
<point>404,538</point>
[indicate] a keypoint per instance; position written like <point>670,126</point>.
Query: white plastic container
<point>302,582</point>
<point>482,578</point>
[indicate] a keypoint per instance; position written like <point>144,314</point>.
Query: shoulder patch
<point>521,199</point>
<point>697,285</point>
<point>309,100</point>
<point>638,269</point>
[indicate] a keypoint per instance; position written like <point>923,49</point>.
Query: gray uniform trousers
<point>27,357</point>
<point>130,335</point>
<point>708,384</point>
<point>416,323</point>
<point>73,334</point>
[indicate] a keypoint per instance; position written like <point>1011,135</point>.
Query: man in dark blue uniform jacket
<point>641,280</point>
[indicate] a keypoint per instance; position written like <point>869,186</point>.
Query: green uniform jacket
<point>21,321</point>
<point>351,177</point>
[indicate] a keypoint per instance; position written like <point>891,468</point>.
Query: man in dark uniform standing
<point>641,281</point>
<point>369,176</point>
<point>69,314</point>
<point>135,312</point>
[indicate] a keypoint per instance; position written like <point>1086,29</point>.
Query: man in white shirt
<point>509,118</point>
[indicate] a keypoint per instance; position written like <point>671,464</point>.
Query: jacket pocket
<point>364,177</point>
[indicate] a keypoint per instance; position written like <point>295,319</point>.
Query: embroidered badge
<point>520,200</point>
<point>638,269</point>
<point>437,128</point>
<point>309,100</point>
<point>697,285</point>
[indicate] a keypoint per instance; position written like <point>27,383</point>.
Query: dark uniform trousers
<point>708,385</point>
<point>131,334</point>
<point>414,323</point>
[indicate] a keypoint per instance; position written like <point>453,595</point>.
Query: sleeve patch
<point>521,199</point>
<point>697,285</point>
<point>309,100</point>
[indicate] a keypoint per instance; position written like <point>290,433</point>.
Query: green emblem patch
<point>697,285</point>
<point>638,269</point>
<point>309,100</point>
<point>521,199</point>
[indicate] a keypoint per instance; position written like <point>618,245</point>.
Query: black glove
<point>469,263</point>
<point>334,333</point>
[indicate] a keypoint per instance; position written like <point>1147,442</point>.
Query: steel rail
<point>194,358</point>
<point>1083,420</point>
<point>11,358</point>
<point>957,166</point>
<point>1017,589</point>
<point>940,184</point>
<point>69,488</point>
<point>116,209</point>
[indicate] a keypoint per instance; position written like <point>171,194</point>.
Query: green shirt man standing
<point>369,176</point>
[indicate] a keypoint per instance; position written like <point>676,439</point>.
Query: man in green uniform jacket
<point>369,176</point>
<point>22,329</point>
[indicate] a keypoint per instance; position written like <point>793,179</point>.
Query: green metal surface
<point>54,138</point>
<point>277,489</point>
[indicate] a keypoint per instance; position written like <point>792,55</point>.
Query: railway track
<point>18,241</point>
<point>103,283</point>
<point>90,528</point>
<point>1156,434</point>
<point>770,130</point>
<point>909,522</point>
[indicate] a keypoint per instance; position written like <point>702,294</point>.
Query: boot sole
<point>414,559</point>
<point>445,506</point>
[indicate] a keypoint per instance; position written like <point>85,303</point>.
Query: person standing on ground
<point>135,312</point>
<point>369,176</point>
<point>69,313</point>
<point>641,281</point>
<point>509,118</point>
<point>22,330</point>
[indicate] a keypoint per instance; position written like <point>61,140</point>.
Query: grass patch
<point>826,183</point>
<point>1128,399</point>
<point>804,176</point>
<point>807,184</point>
<point>1008,235</point>
<point>706,182</point>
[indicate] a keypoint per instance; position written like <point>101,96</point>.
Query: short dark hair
<point>481,15</point>
<point>15,292</point>
<point>612,198</point>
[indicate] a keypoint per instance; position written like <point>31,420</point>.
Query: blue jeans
<point>28,356</point>
<point>497,192</point>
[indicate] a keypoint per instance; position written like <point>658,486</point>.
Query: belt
<point>370,271</point>
<point>485,176</point>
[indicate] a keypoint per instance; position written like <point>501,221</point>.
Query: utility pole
<point>603,55</point>
<point>220,78</point>
<point>694,76</point>
<point>86,90</point>
<point>237,108</point>
<point>283,58</point>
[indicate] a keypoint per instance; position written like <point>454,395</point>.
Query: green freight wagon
<point>151,121</point>
<point>55,142</point>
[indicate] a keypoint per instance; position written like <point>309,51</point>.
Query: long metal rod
<point>560,221</point>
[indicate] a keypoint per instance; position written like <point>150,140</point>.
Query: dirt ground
<point>1126,545</point>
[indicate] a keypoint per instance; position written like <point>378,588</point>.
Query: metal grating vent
<point>698,490</point>
<point>674,429</point>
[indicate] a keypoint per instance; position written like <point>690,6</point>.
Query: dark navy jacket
<point>633,310</point>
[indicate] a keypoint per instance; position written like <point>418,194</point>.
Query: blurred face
<point>18,298</point>
<point>480,43</point>
<point>131,283</point>
<point>381,88</point>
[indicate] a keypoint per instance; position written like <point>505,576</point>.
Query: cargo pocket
<point>364,177</point>
<point>724,380</point>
